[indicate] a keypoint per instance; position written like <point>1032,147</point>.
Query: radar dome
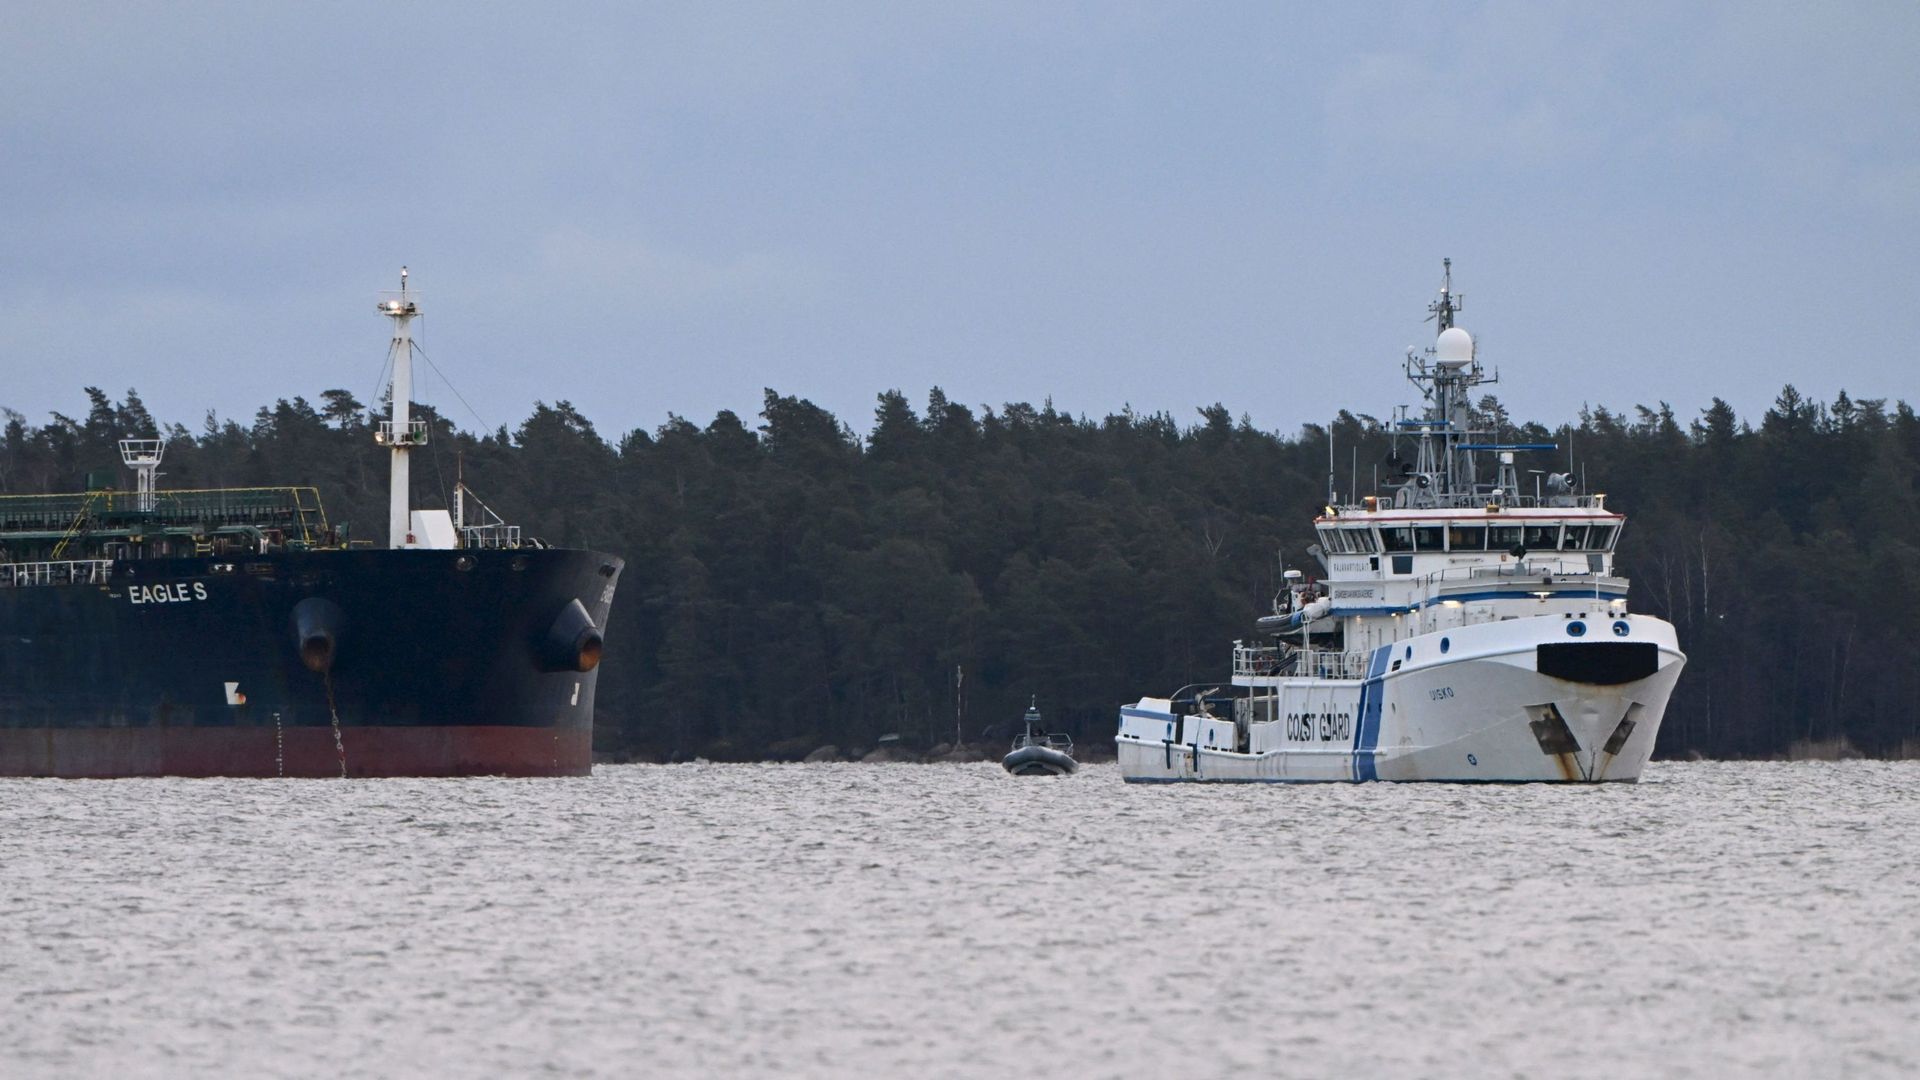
<point>1454,349</point>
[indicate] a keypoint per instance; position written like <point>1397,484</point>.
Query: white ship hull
<point>1468,704</point>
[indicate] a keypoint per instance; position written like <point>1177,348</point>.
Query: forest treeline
<point>791,582</point>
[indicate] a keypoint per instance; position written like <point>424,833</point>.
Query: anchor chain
<point>339,747</point>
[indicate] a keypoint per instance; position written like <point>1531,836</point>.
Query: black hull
<point>433,663</point>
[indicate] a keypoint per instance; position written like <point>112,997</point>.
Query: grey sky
<point>666,207</point>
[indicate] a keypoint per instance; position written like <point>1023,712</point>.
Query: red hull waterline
<point>107,753</point>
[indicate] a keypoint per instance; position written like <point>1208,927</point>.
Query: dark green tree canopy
<point>798,584</point>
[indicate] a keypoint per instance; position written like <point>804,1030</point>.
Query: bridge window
<point>1600,538</point>
<point>1574,539</point>
<point>1503,537</point>
<point>1466,537</point>
<point>1542,537</point>
<point>1397,538</point>
<point>1429,538</point>
<point>1361,539</point>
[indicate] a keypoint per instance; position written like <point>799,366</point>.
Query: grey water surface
<point>950,920</point>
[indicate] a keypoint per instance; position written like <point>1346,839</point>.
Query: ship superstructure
<point>235,632</point>
<point>1466,627</point>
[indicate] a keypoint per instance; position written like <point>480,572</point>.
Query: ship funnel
<point>572,642</point>
<point>318,624</point>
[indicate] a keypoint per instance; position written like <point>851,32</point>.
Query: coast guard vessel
<point>234,632</point>
<point>1466,629</point>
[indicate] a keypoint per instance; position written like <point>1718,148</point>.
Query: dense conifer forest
<point>791,582</point>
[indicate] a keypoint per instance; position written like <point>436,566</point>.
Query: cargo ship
<point>235,632</point>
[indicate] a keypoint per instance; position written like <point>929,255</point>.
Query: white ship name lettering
<point>176,593</point>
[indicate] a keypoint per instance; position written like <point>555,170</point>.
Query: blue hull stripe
<point>1366,736</point>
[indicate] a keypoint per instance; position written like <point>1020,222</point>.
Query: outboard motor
<point>318,624</point>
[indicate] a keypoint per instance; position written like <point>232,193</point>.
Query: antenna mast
<point>143,457</point>
<point>1447,304</point>
<point>1445,372</point>
<point>400,433</point>
<point>1331,497</point>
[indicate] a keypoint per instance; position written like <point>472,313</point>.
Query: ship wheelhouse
<point>1394,574</point>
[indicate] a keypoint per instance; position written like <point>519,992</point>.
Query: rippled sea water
<point>950,920</point>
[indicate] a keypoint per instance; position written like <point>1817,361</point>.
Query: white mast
<point>400,433</point>
<point>143,457</point>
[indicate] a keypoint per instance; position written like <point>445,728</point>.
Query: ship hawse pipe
<point>318,624</point>
<point>572,642</point>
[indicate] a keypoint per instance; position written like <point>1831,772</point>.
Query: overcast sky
<point>666,207</point>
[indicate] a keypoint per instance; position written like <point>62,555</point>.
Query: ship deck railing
<point>1533,567</point>
<point>1271,661</point>
<point>1481,498</point>
<point>1438,583</point>
<point>64,572</point>
<point>490,536</point>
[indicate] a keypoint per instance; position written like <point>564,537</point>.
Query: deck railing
<point>67,572</point>
<point>490,536</point>
<point>1485,497</point>
<point>1267,661</point>
<point>1435,586</point>
<point>1531,568</point>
